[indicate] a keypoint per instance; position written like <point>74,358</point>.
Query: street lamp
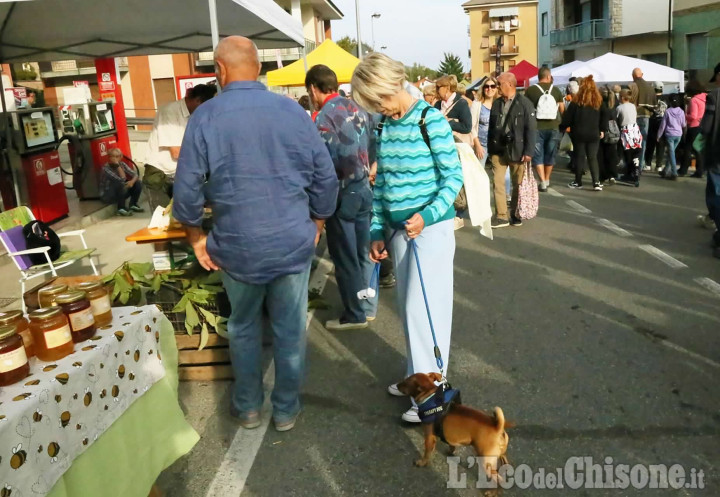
<point>372,25</point>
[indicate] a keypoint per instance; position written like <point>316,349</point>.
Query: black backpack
<point>38,234</point>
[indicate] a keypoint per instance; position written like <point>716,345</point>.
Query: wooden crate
<point>211,363</point>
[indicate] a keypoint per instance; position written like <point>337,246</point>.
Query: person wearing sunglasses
<point>487,96</point>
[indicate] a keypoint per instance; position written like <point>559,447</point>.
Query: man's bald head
<point>236,59</point>
<point>637,73</point>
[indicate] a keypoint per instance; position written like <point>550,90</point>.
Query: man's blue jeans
<point>348,238</point>
<point>644,125</point>
<point>286,299</point>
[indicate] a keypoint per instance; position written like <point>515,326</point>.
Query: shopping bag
<point>528,197</point>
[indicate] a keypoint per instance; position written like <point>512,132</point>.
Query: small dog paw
<point>420,463</point>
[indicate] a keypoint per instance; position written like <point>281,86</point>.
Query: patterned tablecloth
<point>54,415</point>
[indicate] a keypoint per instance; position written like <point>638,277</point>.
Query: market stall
<point>617,69</point>
<point>523,71</point>
<point>328,53</point>
<point>103,420</point>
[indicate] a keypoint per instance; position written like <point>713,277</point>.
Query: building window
<point>486,17</point>
<point>697,47</point>
<point>658,58</point>
<point>544,25</point>
<point>485,43</point>
<point>486,66</point>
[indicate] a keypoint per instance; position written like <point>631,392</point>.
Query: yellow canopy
<point>328,53</point>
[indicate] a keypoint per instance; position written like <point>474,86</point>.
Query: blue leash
<point>438,355</point>
<point>376,278</point>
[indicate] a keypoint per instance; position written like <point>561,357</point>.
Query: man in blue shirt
<point>349,136</point>
<point>256,159</point>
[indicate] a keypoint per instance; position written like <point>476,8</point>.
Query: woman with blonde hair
<point>588,119</point>
<point>430,94</point>
<point>418,177</point>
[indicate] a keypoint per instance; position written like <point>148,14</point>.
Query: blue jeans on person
<point>712,200</point>
<point>643,123</point>
<point>286,300</point>
<point>671,164</point>
<point>117,193</point>
<point>348,238</point>
<point>546,147</point>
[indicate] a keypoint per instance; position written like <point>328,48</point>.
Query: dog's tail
<point>499,419</point>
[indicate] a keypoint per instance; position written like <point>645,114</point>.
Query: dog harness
<point>434,409</point>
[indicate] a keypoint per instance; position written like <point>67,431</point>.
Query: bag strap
<point>507,116</point>
<point>423,127</point>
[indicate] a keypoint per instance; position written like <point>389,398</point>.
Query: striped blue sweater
<point>411,179</point>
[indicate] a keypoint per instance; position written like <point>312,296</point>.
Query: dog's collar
<point>434,408</point>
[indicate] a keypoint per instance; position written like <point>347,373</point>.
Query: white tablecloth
<point>55,414</point>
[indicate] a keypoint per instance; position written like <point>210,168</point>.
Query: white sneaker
<point>411,415</point>
<point>393,390</point>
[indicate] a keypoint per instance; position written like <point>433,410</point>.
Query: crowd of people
<point>378,172</point>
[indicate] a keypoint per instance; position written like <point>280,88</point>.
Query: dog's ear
<point>435,376</point>
<point>499,419</point>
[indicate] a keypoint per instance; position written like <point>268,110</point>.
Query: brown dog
<point>461,426</point>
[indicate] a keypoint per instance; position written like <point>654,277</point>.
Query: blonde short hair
<point>450,81</point>
<point>461,88</point>
<point>115,151</point>
<point>429,90</point>
<point>376,77</point>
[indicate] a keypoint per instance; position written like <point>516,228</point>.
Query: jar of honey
<point>17,319</point>
<point>13,360</point>
<point>99,301</point>
<point>76,306</point>
<point>47,294</point>
<point>51,331</point>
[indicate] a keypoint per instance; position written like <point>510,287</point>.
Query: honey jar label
<point>82,320</point>
<point>58,338</point>
<point>100,306</point>
<point>11,361</point>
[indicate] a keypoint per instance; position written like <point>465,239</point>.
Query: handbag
<point>461,202</point>
<point>699,143</point>
<point>38,235</point>
<point>528,197</point>
<point>565,143</point>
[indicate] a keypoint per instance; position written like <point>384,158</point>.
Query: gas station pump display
<point>39,129</point>
<point>102,117</point>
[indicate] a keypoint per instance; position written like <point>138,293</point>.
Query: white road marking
<point>709,284</point>
<point>322,465</point>
<point>555,193</point>
<point>613,227</point>
<point>662,256</point>
<point>233,472</point>
<point>580,208</point>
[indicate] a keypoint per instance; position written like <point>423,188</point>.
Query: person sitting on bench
<point>119,182</point>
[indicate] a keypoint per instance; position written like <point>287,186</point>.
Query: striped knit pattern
<point>411,179</point>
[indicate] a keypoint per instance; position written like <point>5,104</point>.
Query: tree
<point>350,45</point>
<point>418,71</point>
<point>452,65</point>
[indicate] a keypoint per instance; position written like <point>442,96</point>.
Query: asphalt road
<point>592,345</point>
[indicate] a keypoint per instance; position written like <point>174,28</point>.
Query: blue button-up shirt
<point>258,161</point>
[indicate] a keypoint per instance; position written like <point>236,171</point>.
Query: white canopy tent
<point>613,68</point>
<point>42,30</point>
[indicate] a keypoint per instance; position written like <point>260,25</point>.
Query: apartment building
<point>696,37</point>
<point>502,33</point>
<point>584,29</point>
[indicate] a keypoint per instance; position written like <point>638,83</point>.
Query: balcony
<point>596,29</point>
<point>268,55</point>
<point>505,51</point>
<point>505,26</point>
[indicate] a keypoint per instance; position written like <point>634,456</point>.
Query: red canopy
<point>523,71</point>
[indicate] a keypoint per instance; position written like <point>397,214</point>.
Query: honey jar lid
<point>53,289</point>
<point>9,317</point>
<point>45,313</point>
<point>7,332</point>
<point>89,286</point>
<point>70,297</point>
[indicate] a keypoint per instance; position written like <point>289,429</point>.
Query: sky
<point>413,30</point>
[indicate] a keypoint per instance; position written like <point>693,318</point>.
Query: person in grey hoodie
<point>672,127</point>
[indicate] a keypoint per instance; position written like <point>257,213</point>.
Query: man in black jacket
<point>511,143</point>
<point>710,128</point>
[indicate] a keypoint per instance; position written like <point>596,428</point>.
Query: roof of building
<point>495,3</point>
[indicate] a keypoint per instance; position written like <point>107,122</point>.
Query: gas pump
<point>29,155</point>
<point>91,131</point>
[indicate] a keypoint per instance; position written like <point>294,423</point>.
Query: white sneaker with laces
<point>393,390</point>
<point>411,415</point>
